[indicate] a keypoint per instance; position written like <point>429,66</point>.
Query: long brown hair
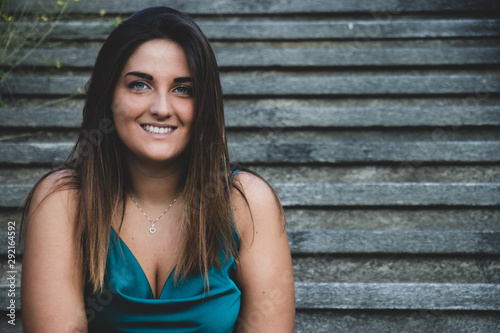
<point>96,161</point>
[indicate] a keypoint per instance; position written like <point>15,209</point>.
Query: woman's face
<point>153,106</point>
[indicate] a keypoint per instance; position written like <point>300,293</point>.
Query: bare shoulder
<point>252,185</point>
<point>53,181</point>
<point>255,204</point>
<point>52,193</point>
<point>52,211</point>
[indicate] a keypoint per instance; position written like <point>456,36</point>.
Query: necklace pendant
<point>152,229</point>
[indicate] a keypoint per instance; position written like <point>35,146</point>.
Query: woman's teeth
<point>157,130</point>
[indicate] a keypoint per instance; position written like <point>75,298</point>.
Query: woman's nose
<point>161,107</point>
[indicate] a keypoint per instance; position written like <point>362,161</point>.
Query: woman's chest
<point>155,253</point>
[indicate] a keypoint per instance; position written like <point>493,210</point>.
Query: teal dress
<point>127,303</point>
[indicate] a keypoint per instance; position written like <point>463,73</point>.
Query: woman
<point>147,227</point>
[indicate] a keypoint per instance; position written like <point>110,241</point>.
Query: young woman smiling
<point>150,228</point>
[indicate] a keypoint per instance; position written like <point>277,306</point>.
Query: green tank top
<point>127,303</point>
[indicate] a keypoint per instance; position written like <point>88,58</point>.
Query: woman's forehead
<point>163,57</point>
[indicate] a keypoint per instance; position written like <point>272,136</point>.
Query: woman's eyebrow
<point>141,75</point>
<point>182,79</point>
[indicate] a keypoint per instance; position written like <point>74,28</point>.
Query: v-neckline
<point>122,242</point>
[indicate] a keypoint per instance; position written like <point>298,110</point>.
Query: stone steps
<point>375,121</point>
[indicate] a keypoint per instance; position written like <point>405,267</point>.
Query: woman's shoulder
<point>252,187</point>
<point>254,201</point>
<point>55,191</point>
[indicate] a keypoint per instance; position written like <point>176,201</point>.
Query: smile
<point>157,130</point>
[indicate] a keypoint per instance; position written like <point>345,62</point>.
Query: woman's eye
<point>138,85</point>
<point>184,90</point>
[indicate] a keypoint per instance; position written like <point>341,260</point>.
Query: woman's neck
<point>155,183</point>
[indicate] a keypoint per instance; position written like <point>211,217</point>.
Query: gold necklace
<point>153,229</point>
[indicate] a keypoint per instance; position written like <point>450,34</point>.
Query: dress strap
<point>234,173</point>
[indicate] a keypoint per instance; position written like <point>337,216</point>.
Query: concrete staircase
<point>377,122</point>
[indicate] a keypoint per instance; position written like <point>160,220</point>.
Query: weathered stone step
<point>290,116</point>
<point>363,321</point>
<point>431,296</point>
<point>386,268</point>
<point>382,173</point>
<point>402,296</point>
<point>330,135</point>
<point>278,84</point>
<point>299,29</point>
<point>332,173</point>
<point>388,194</point>
<point>422,218</point>
<point>354,194</point>
<point>220,7</point>
<point>382,241</point>
<point>407,154</point>
<point>285,136</point>
<point>394,241</point>
<point>367,218</point>
<point>316,135</point>
<point>301,57</point>
<point>401,321</point>
<point>391,218</point>
<point>380,268</point>
<point>467,105</point>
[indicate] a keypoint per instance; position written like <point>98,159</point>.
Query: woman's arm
<point>51,283</point>
<point>264,272</point>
